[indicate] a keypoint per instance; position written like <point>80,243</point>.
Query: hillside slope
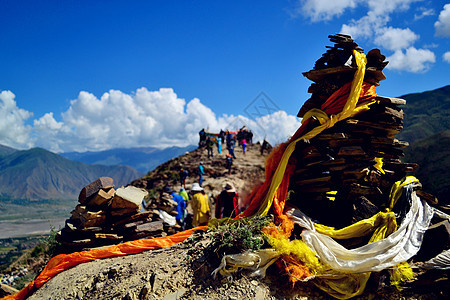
<point>184,271</point>
<point>247,171</point>
<point>5,151</point>
<point>40,174</point>
<point>426,114</point>
<point>433,156</point>
<point>426,126</point>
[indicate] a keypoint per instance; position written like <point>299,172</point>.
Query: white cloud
<point>374,23</point>
<point>277,127</point>
<point>446,56</point>
<point>48,132</point>
<point>374,27</point>
<point>145,118</point>
<point>442,26</point>
<point>396,38</point>
<point>424,12</point>
<point>381,7</point>
<point>365,27</point>
<point>13,131</point>
<point>323,10</point>
<point>412,60</point>
<point>431,46</point>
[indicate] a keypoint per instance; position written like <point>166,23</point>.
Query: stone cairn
<point>336,181</point>
<point>105,216</point>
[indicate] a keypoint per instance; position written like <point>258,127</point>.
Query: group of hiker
<point>183,174</point>
<point>226,204</point>
<point>208,140</point>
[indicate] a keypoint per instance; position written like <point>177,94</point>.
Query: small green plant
<point>51,244</point>
<point>23,281</point>
<point>37,251</point>
<point>239,236</point>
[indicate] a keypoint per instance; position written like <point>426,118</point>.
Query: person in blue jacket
<point>181,204</point>
<point>219,144</point>
<point>201,172</point>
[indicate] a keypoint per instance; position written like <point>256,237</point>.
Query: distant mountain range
<point>433,156</point>
<point>142,159</point>
<point>4,151</point>
<point>39,184</point>
<point>427,129</point>
<point>38,174</point>
<point>426,114</point>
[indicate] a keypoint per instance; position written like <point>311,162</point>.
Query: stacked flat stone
<point>105,216</point>
<point>337,180</point>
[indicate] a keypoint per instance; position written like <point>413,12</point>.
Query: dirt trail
<point>247,171</point>
<point>179,272</point>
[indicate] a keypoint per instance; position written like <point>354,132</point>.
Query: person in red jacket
<point>227,204</point>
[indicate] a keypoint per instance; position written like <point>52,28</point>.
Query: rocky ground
<point>179,272</point>
<point>184,271</point>
<point>247,171</point>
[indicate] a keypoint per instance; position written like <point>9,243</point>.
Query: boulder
<point>102,197</point>
<point>94,187</point>
<point>128,197</point>
<point>93,219</point>
<point>6,290</point>
<point>78,211</point>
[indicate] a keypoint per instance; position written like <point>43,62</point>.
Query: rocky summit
<point>332,212</point>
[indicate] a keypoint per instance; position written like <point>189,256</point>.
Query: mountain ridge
<point>143,159</point>
<point>38,174</point>
<point>426,114</point>
<point>426,127</point>
<point>5,150</point>
<point>432,154</point>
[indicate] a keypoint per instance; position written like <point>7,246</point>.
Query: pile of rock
<point>105,216</point>
<point>345,173</point>
<point>6,290</point>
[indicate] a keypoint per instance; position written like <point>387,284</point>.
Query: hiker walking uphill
<point>264,146</point>
<point>183,175</point>
<point>209,147</point>
<point>184,194</point>
<point>200,206</point>
<point>201,172</point>
<point>244,145</point>
<point>187,217</point>
<point>202,138</point>
<point>222,135</point>
<point>228,137</point>
<point>227,204</point>
<point>228,163</point>
<point>230,145</point>
<point>181,204</point>
<point>219,144</point>
<point>250,137</point>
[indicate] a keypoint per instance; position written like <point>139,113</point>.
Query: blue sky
<point>94,75</point>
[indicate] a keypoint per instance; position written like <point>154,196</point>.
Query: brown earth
<point>179,272</point>
<point>247,170</point>
<point>184,271</point>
